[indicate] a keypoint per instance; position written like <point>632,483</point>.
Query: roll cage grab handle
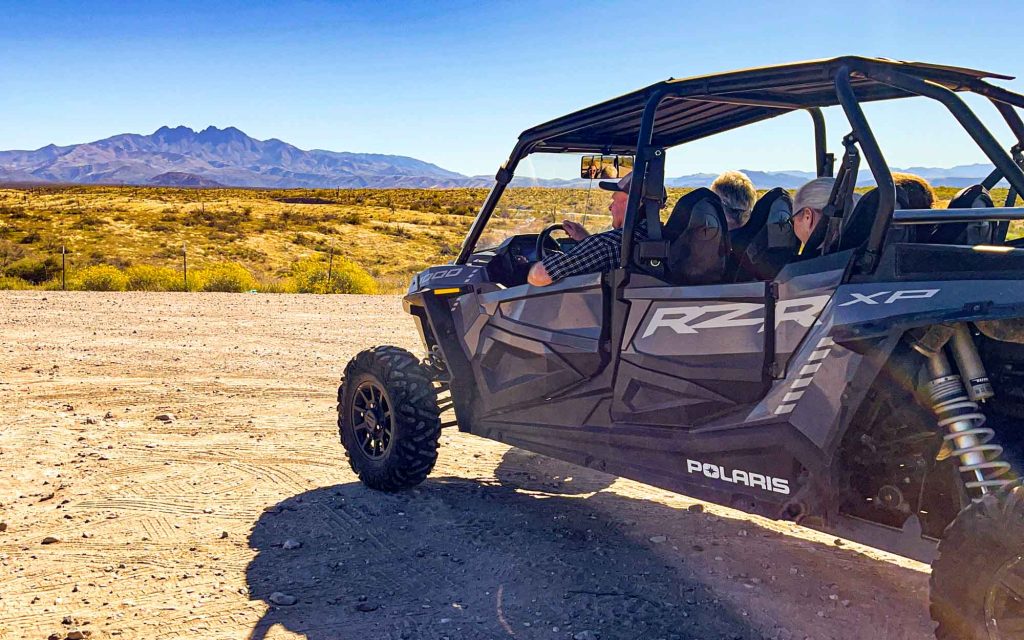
<point>1007,164</point>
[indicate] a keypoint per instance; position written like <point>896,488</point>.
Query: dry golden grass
<point>391,233</point>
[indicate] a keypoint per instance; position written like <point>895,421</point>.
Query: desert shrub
<point>310,276</point>
<point>276,285</point>
<point>13,213</point>
<point>9,252</point>
<point>88,220</point>
<point>31,237</point>
<point>9,283</point>
<point>34,270</point>
<point>231,277</point>
<point>100,277</point>
<point>144,277</point>
<point>352,217</point>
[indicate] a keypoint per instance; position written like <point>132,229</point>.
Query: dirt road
<point>169,468</point>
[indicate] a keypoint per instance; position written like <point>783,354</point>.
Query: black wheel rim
<point>372,420</point>
<point>1004,604</point>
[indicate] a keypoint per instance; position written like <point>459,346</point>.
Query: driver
<point>598,253</point>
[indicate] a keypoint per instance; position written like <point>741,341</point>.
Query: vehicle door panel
<point>689,353</point>
<point>526,343</point>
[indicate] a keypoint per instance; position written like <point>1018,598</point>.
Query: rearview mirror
<point>605,167</point>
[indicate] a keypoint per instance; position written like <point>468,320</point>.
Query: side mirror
<point>605,167</point>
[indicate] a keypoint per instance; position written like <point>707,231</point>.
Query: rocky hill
<point>180,156</point>
<point>224,156</point>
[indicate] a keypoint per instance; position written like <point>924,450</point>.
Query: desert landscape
<point>171,468</point>
<point>272,241</point>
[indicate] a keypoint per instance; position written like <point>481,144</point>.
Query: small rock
<point>695,508</point>
<point>445,620</point>
<point>837,542</point>
<point>90,420</point>
<point>658,539</point>
<point>3,527</point>
<point>108,416</point>
<point>78,635</point>
<point>282,599</point>
<point>290,544</point>
<point>367,607</point>
<point>223,535</point>
<point>585,635</point>
<point>166,417</point>
<point>845,603</point>
<point>50,540</point>
<point>67,621</point>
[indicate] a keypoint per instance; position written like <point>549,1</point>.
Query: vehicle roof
<point>701,106</point>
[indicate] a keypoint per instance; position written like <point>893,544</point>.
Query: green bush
<point>231,277</point>
<point>144,277</point>
<point>34,270</point>
<point>14,283</point>
<point>310,276</point>
<point>101,277</point>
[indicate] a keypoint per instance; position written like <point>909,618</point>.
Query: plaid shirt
<point>598,253</point>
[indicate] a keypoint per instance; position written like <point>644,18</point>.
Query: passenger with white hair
<point>808,203</point>
<point>737,194</point>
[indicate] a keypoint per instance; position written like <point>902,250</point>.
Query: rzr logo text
<point>803,311</point>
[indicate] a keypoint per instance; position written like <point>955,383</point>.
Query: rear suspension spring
<point>972,442</point>
<point>961,417</point>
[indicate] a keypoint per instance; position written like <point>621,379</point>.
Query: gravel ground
<point>169,467</point>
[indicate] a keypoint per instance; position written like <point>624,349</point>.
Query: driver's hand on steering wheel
<point>575,230</point>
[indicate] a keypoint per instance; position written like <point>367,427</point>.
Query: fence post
<point>63,270</point>
<point>184,266</point>
<point>330,267</point>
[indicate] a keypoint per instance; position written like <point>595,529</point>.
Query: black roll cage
<point>876,79</point>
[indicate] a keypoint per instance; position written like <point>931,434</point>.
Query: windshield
<point>546,190</point>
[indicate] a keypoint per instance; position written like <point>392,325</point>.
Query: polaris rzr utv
<point>871,386</point>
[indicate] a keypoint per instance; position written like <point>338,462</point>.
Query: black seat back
<point>698,239</point>
<point>973,197</point>
<point>763,254</point>
<point>759,215</point>
<point>857,226</point>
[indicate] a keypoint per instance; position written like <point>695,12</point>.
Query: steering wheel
<point>546,245</point>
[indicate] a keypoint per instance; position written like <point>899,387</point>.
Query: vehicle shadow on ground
<point>534,551</point>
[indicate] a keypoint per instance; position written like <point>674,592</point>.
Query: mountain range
<point>215,157</point>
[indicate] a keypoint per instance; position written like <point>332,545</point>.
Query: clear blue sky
<point>455,82</point>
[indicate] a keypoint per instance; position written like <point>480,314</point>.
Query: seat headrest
<point>760,215</point>
<point>857,226</point>
<point>699,242</point>
<point>699,202</point>
<point>973,197</point>
<point>780,225</point>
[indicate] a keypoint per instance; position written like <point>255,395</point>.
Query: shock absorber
<point>957,409</point>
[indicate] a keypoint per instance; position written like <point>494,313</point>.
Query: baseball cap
<point>621,185</point>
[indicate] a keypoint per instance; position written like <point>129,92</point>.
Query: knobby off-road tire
<point>388,418</point>
<point>977,583</point>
